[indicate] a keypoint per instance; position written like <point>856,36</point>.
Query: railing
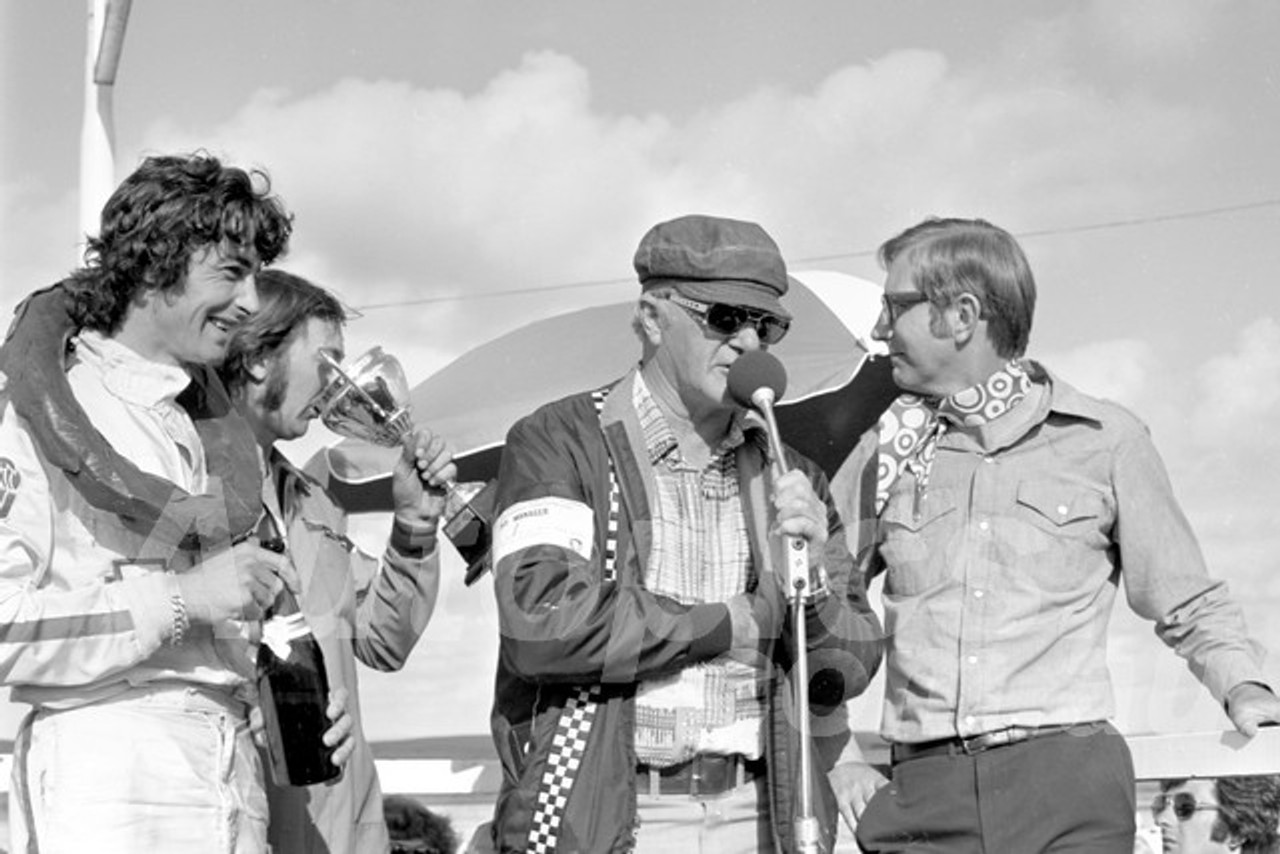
<point>1205,754</point>
<point>464,788</point>
<point>1155,757</point>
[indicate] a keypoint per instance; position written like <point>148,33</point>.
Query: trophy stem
<point>400,425</point>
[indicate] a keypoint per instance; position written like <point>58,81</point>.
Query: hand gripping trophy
<point>368,400</point>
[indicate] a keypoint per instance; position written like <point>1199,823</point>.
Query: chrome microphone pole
<point>807,833</point>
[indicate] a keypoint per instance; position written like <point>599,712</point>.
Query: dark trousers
<point>1067,792</point>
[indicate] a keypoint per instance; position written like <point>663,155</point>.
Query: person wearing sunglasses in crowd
<point>645,642</point>
<point>1240,815</point>
<point>1011,508</point>
<point>360,607</point>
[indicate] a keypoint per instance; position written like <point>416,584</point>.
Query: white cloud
<point>30,255</point>
<point>1116,370</point>
<point>1239,391</point>
<point>404,193</point>
<point>1153,28</point>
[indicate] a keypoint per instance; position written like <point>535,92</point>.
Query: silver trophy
<point>368,400</point>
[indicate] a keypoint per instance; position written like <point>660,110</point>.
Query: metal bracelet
<point>181,620</point>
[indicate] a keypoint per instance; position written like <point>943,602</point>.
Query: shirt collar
<point>1049,395</point>
<point>129,376</point>
<point>1064,398</point>
<point>659,439</point>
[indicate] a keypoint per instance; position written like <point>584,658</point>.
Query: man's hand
<point>239,583</point>
<point>1250,705</point>
<point>339,735</point>
<point>854,783</point>
<point>800,512</point>
<point>418,485</point>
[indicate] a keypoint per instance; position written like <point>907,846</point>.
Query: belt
<point>704,774</point>
<point>970,745</point>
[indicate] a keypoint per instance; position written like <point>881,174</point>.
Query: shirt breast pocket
<point>914,541</point>
<point>1058,513</point>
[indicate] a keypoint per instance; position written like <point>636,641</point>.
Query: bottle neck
<point>285,605</point>
<point>270,538</point>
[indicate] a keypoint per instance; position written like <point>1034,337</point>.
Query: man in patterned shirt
<point>1012,506</point>
<point>642,691</point>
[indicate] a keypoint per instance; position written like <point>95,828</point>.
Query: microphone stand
<point>807,832</point>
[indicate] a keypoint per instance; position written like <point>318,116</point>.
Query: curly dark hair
<point>414,828</point>
<point>169,208</point>
<point>1249,810</point>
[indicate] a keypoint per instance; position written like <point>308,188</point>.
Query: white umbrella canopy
<point>836,389</point>
<point>476,398</point>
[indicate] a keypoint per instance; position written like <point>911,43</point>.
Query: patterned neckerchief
<point>913,425</point>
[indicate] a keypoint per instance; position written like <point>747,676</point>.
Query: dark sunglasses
<point>1184,805</point>
<point>893,305</point>
<point>728,319</point>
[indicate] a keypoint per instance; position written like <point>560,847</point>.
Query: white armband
<point>544,522</point>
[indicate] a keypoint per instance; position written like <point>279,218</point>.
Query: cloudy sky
<point>459,168</point>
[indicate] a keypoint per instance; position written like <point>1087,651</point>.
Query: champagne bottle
<point>293,688</point>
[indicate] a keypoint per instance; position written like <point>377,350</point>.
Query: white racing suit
<point>134,743</point>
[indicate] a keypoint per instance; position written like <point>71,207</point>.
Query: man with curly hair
<point>129,586</point>
<point>1236,814</point>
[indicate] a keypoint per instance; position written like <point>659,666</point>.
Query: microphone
<point>757,380</point>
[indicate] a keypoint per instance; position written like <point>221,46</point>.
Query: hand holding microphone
<point>757,380</point>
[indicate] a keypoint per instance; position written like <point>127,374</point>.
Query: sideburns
<point>275,386</point>
<point>938,326</point>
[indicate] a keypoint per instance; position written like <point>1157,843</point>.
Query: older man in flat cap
<point>642,698</point>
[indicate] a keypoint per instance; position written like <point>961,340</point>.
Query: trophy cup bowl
<point>368,400</point>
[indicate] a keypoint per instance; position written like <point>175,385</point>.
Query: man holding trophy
<point>282,370</point>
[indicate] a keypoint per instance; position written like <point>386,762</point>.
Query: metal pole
<point>103,44</point>
<point>807,831</point>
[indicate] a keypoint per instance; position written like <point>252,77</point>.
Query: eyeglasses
<point>728,319</point>
<point>1184,805</point>
<point>894,304</point>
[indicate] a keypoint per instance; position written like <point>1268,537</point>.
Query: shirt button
<point>978,594</point>
<point>988,460</point>
<point>1062,509</point>
<point>973,659</point>
<point>969,720</point>
<point>984,525</point>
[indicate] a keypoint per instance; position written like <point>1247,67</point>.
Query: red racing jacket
<point>580,631</point>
